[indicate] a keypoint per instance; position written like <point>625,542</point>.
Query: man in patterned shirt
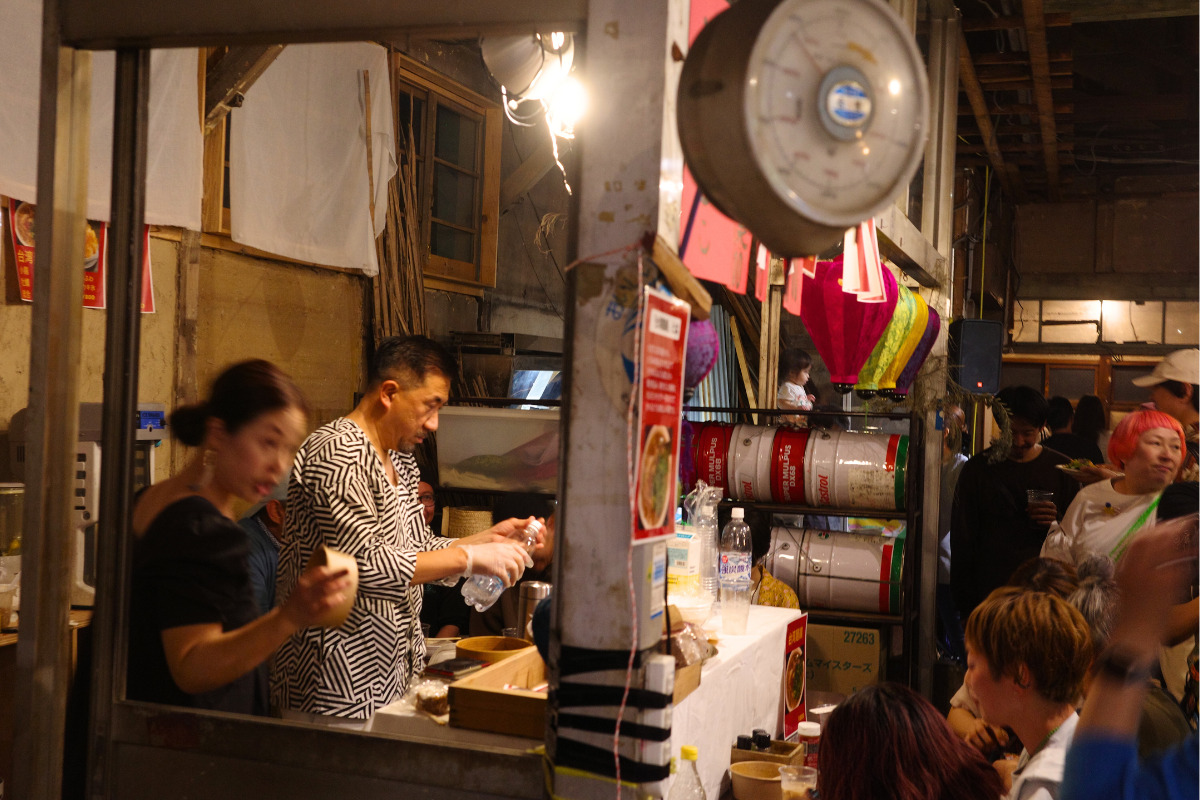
<point>354,488</point>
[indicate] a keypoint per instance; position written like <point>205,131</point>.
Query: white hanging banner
<point>298,181</point>
<point>175,151</point>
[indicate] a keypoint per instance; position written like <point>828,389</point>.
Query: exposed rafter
<point>230,75</point>
<point>1043,94</point>
<point>970,84</point>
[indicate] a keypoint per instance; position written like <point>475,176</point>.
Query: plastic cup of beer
<point>1039,496</point>
<point>797,783</point>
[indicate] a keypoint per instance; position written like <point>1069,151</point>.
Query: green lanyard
<point>1120,547</point>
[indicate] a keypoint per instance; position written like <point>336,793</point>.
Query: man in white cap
<point>1175,390</point>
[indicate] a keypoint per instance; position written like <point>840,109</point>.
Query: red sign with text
<point>660,407</point>
<point>95,258</point>
<point>795,709</point>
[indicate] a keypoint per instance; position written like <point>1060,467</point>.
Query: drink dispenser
<point>151,420</point>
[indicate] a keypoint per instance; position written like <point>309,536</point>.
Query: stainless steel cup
<point>532,592</point>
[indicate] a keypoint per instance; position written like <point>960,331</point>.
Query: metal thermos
<point>532,593</point>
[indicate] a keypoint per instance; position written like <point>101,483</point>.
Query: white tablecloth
<point>740,690</point>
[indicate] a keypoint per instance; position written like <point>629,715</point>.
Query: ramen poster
<point>21,222</point>
<point>660,393</point>
<point>795,710</point>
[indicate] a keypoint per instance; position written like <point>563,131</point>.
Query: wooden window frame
<point>441,273</point>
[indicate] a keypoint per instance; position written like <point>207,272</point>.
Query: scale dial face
<point>835,107</point>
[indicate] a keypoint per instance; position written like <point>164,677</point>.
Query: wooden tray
<point>781,752</point>
<point>480,702</point>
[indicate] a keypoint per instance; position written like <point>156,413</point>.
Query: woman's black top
<point>190,567</point>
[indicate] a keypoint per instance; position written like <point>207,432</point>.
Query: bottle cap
<point>743,741</point>
<point>762,739</point>
<point>737,512</point>
<point>688,752</point>
<point>809,729</point>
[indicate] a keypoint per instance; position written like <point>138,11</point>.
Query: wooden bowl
<point>491,648</point>
<point>756,780</point>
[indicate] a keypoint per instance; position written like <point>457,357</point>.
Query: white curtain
<point>298,156</point>
<point>175,154</point>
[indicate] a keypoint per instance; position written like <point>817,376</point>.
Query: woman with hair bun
<point>196,638</point>
<point>886,740</point>
<point>1105,516</point>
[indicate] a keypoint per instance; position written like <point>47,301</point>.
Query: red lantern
<point>843,329</point>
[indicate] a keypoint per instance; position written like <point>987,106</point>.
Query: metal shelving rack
<point>902,648</point>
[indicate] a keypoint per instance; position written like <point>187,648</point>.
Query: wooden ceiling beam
<point>1028,84</point>
<point>231,75</point>
<point>1012,22</point>
<point>1014,147</point>
<point>1009,181</point>
<point>1019,108</point>
<point>1144,107</point>
<point>1043,93</point>
<point>1018,57</point>
<point>1014,72</point>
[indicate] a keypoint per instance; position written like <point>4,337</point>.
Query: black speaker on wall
<point>975,354</point>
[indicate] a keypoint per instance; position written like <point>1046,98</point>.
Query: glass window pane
<point>1132,321</point>
<point>1020,374</point>
<point>456,137</point>
<point>453,196</point>
<point>1074,333</point>
<point>1071,382</point>
<point>1026,316</point>
<point>1123,390</point>
<point>451,243</point>
<point>1070,310</point>
<point>1183,322</point>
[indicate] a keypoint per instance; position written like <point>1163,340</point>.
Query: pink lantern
<point>924,347</point>
<point>843,329</point>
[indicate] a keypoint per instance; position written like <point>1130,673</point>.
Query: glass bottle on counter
<point>482,591</point>
<point>686,785</point>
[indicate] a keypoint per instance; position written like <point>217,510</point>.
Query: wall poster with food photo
<point>660,408</point>
<point>95,249</point>
<point>795,710</point>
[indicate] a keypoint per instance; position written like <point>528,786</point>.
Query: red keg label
<point>713,454</point>
<point>787,469</point>
<point>823,497</point>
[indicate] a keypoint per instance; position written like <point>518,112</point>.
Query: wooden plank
<point>489,211</point>
<point>1012,22</point>
<point>526,175</point>
<point>682,282</point>
<point>116,24</point>
<point>970,84</point>
<point>231,76</point>
<point>187,311</point>
<point>902,243</point>
<point>1043,85</point>
<point>752,401</point>
<point>213,200</point>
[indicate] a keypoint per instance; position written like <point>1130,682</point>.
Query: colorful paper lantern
<point>915,332</point>
<point>909,374</point>
<point>843,329</point>
<point>889,344</point>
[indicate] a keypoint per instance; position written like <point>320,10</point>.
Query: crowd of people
<point>1068,581</point>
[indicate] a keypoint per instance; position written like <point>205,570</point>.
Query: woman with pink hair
<point>1105,516</point>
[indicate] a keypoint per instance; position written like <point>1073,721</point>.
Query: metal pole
<point>121,346</point>
<point>43,649</point>
<point>937,219</point>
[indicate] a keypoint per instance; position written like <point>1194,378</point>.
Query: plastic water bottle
<point>686,785</point>
<point>706,534</point>
<point>482,591</point>
<point>734,574</point>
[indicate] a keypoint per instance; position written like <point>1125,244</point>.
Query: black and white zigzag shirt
<point>340,496</point>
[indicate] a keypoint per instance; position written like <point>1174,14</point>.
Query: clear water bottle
<point>482,591</point>
<point>734,573</point>
<point>706,534</point>
<point>686,785</point>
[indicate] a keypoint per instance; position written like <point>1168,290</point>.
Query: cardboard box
<point>843,659</point>
<point>481,702</point>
